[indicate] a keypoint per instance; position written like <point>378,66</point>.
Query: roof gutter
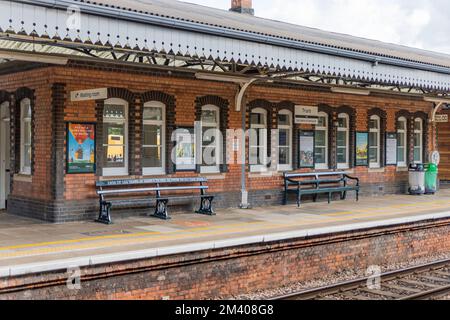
<point>229,33</point>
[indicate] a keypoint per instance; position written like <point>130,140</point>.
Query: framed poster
<point>80,148</point>
<point>362,149</point>
<point>391,149</point>
<point>306,149</point>
<point>184,150</point>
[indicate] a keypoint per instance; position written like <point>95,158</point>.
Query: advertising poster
<point>362,149</point>
<point>306,142</point>
<point>80,148</point>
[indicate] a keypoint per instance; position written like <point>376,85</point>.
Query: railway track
<point>427,281</point>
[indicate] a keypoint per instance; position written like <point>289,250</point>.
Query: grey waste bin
<point>416,179</point>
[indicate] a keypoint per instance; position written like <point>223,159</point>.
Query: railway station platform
<point>29,247</point>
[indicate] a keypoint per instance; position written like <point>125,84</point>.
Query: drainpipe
<point>240,106</point>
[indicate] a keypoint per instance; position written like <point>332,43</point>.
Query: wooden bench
<point>126,193</point>
<point>319,183</point>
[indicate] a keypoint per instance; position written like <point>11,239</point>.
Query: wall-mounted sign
<point>391,149</point>
<point>91,94</point>
<point>80,148</point>
<point>185,149</point>
<point>362,149</point>
<point>306,115</point>
<point>441,118</point>
<point>306,149</point>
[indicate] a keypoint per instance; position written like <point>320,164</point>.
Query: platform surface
<point>28,245</point>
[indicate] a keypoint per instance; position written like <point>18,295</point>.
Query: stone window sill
<point>23,178</point>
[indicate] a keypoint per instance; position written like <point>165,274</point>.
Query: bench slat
<point>125,182</point>
<point>139,190</point>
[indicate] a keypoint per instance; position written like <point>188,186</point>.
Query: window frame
<point>205,169</point>
<point>420,132</point>
<point>122,171</point>
<point>25,103</point>
<point>259,167</point>
<point>148,171</point>
<point>403,164</point>
<point>290,127</point>
<point>377,130</point>
<point>347,131</point>
<point>323,166</point>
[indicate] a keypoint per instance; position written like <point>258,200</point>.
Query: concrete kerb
<point>56,265</point>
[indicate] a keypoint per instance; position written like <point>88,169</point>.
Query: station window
<point>258,140</point>
<point>153,149</point>
<point>211,139</point>
<point>115,137</point>
<point>374,142</point>
<point>402,142</point>
<point>285,140</point>
<point>418,140</point>
<point>25,136</point>
<point>343,137</point>
<point>321,142</point>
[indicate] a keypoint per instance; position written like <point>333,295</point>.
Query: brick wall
<point>51,87</point>
<point>226,272</point>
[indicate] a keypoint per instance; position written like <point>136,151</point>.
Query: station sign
<point>441,118</point>
<point>306,115</point>
<point>91,94</point>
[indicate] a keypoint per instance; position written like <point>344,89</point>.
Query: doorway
<point>4,155</point>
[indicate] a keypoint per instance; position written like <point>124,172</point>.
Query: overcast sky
<point>423,24</point>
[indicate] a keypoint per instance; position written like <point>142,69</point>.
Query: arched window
<point>211,139</point>
<point>25,136</point>
<point>258,140</point>
<point>343,137</point>
<point>418,140</point>
<point>154,147</point>
<point>115,137</point>
<point>321,142</point>
<point>374,142</point>
<point>402,142</point>
<point>285,140</point>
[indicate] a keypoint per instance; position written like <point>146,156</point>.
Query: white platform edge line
<point>54,265</point>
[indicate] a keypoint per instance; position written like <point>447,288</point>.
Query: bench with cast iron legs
<point>128,193</point>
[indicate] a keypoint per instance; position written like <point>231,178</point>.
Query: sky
<point>423,24</point>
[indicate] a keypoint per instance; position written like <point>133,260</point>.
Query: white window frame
<point>259,167</point>
<point>147,171</point>
<point>345,165</point>
<point>420,132</point>
<point>25,103</point>
<point>377,130</point>
<point>122,171</point>
<point>323,166</point>
<point>288,166</point>
<point>404,131</point>
<point>218,142</point>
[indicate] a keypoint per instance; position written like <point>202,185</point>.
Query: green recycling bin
<point>431,173</point>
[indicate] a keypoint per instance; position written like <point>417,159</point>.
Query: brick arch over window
<point>288,105</point>
<point>331,133</point>
<point>170,102</point>
<point>422,115</point>
<point>133,104</point>
<point>268,106</point>
<point>224,107</point>
<point>409,132</point>
<point>18,96</point>
<point>351,112</point>
<point>383,128</point>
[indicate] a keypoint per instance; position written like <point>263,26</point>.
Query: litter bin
<point>416,179</point>
<point>431,173</point>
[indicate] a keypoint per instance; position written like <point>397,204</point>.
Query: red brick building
<point>164,69</point>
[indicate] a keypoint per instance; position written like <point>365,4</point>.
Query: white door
<point>4,155</point>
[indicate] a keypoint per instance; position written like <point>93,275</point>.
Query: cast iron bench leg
<point>161,209</point>
<point>206,206</point>
<point>299,199</point>
<point>105,213</point>
<point>329,197</point>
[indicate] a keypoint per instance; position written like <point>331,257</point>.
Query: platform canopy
<point>182,35</point>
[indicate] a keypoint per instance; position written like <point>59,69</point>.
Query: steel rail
<point>347,286</point>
